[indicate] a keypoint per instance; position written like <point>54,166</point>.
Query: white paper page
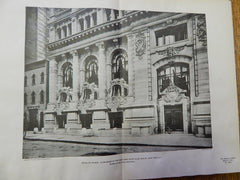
<point>222,158</point>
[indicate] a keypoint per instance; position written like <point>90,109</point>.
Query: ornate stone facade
<point>134,70</point>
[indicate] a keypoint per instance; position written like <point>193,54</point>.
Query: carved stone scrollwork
<point>87,100</point>
<point>202,29</point>
<point>115,99</point>
<point>171,51</point>
<point>173,94</point>
<point>140,44</point>
<point>64,99</point>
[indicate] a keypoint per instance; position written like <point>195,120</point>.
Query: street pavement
<point>171,140</point>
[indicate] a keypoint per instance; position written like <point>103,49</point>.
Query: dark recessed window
<point>69,29</point>
<point>42,97</point>
<point>94,17</point>
<point>42,77</point>
<point>120,66</point>
<point>59,35</point>
<point>33,79</point>
<point>171,35</point>
<point>87,19</point>
<point>91,70</point>
<point>81,24</point>
<point>67,75</point>
<point>33,97</point>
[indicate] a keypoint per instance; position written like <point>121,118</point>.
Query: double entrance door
<point>173,118</point>
<point>61,120</point>
<point>115,119</point>
<point>86,120</point>
<point>33,120</point>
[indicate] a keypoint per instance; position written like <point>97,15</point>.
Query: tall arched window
<point>67,75</point>
<point>42,97</point>
<point>33,97</point>
<point>91,70</point>
<point>42,77</point>
<point>120,65</point>
<point>33,79</point>
<point>176,73</point>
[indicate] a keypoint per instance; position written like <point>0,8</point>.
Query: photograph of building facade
<point>105,72</point>
<point>144,72</point>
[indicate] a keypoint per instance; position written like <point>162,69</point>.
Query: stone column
<point>51,34</point>
<point>120,14</point>
<point>74,25</point>
<point>112,17</point>
<point>100,16</point>
<point>101,70</point>
<point>75,75</point>
<point>130,65</point>
<point>52,80</point>
<point>109,72</point>
<point>91,20</point>
<point>67,30</point>
<point>84,23</point>
<point>82,78</point>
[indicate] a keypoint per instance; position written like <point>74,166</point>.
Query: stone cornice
<point>107,26</point>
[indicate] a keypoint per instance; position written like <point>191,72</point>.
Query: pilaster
<point>53,80</point>
<point>130,65</point>
<point>51,34</point>
<point>101,70</point>
<point>75,75</point>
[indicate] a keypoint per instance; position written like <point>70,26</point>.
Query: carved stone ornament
<point>173,94</point>
<point>113,102</point>
<point>171,51</point>
<point>63,104</point>
<point>140,44</point>
<point>85,103</point>
<point>202,30</point>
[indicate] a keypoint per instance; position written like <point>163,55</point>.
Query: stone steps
<point>100,133</point>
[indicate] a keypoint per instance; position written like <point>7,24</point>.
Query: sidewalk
<point>173,140</point>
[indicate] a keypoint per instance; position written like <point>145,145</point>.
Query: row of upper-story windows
<point>86,22</point>
<point>33,78</point>
<point>171,34</point>
<point>33,98</point>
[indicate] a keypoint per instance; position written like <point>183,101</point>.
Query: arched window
<point>42,97</point>
<point>91,71</point>
<point>67,75</point>
<point>42,77</point>
<point>120,66</point>
<point>176,73</point>
<point>25,81</point>
<point>33,79</point>
<point>33,97</point>
<point>63,97</point>
<point>25,99</point>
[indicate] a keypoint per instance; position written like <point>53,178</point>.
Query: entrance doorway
<point>41,121</point>
<point>61,120</point>
<point>173,118</point>
<point>86,120</point>
<point>116,119</point>
<point>33,121</point>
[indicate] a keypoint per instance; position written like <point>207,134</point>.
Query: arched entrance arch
<point>173,92</point>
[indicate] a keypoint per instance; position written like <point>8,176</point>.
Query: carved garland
<point>113,102</point>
